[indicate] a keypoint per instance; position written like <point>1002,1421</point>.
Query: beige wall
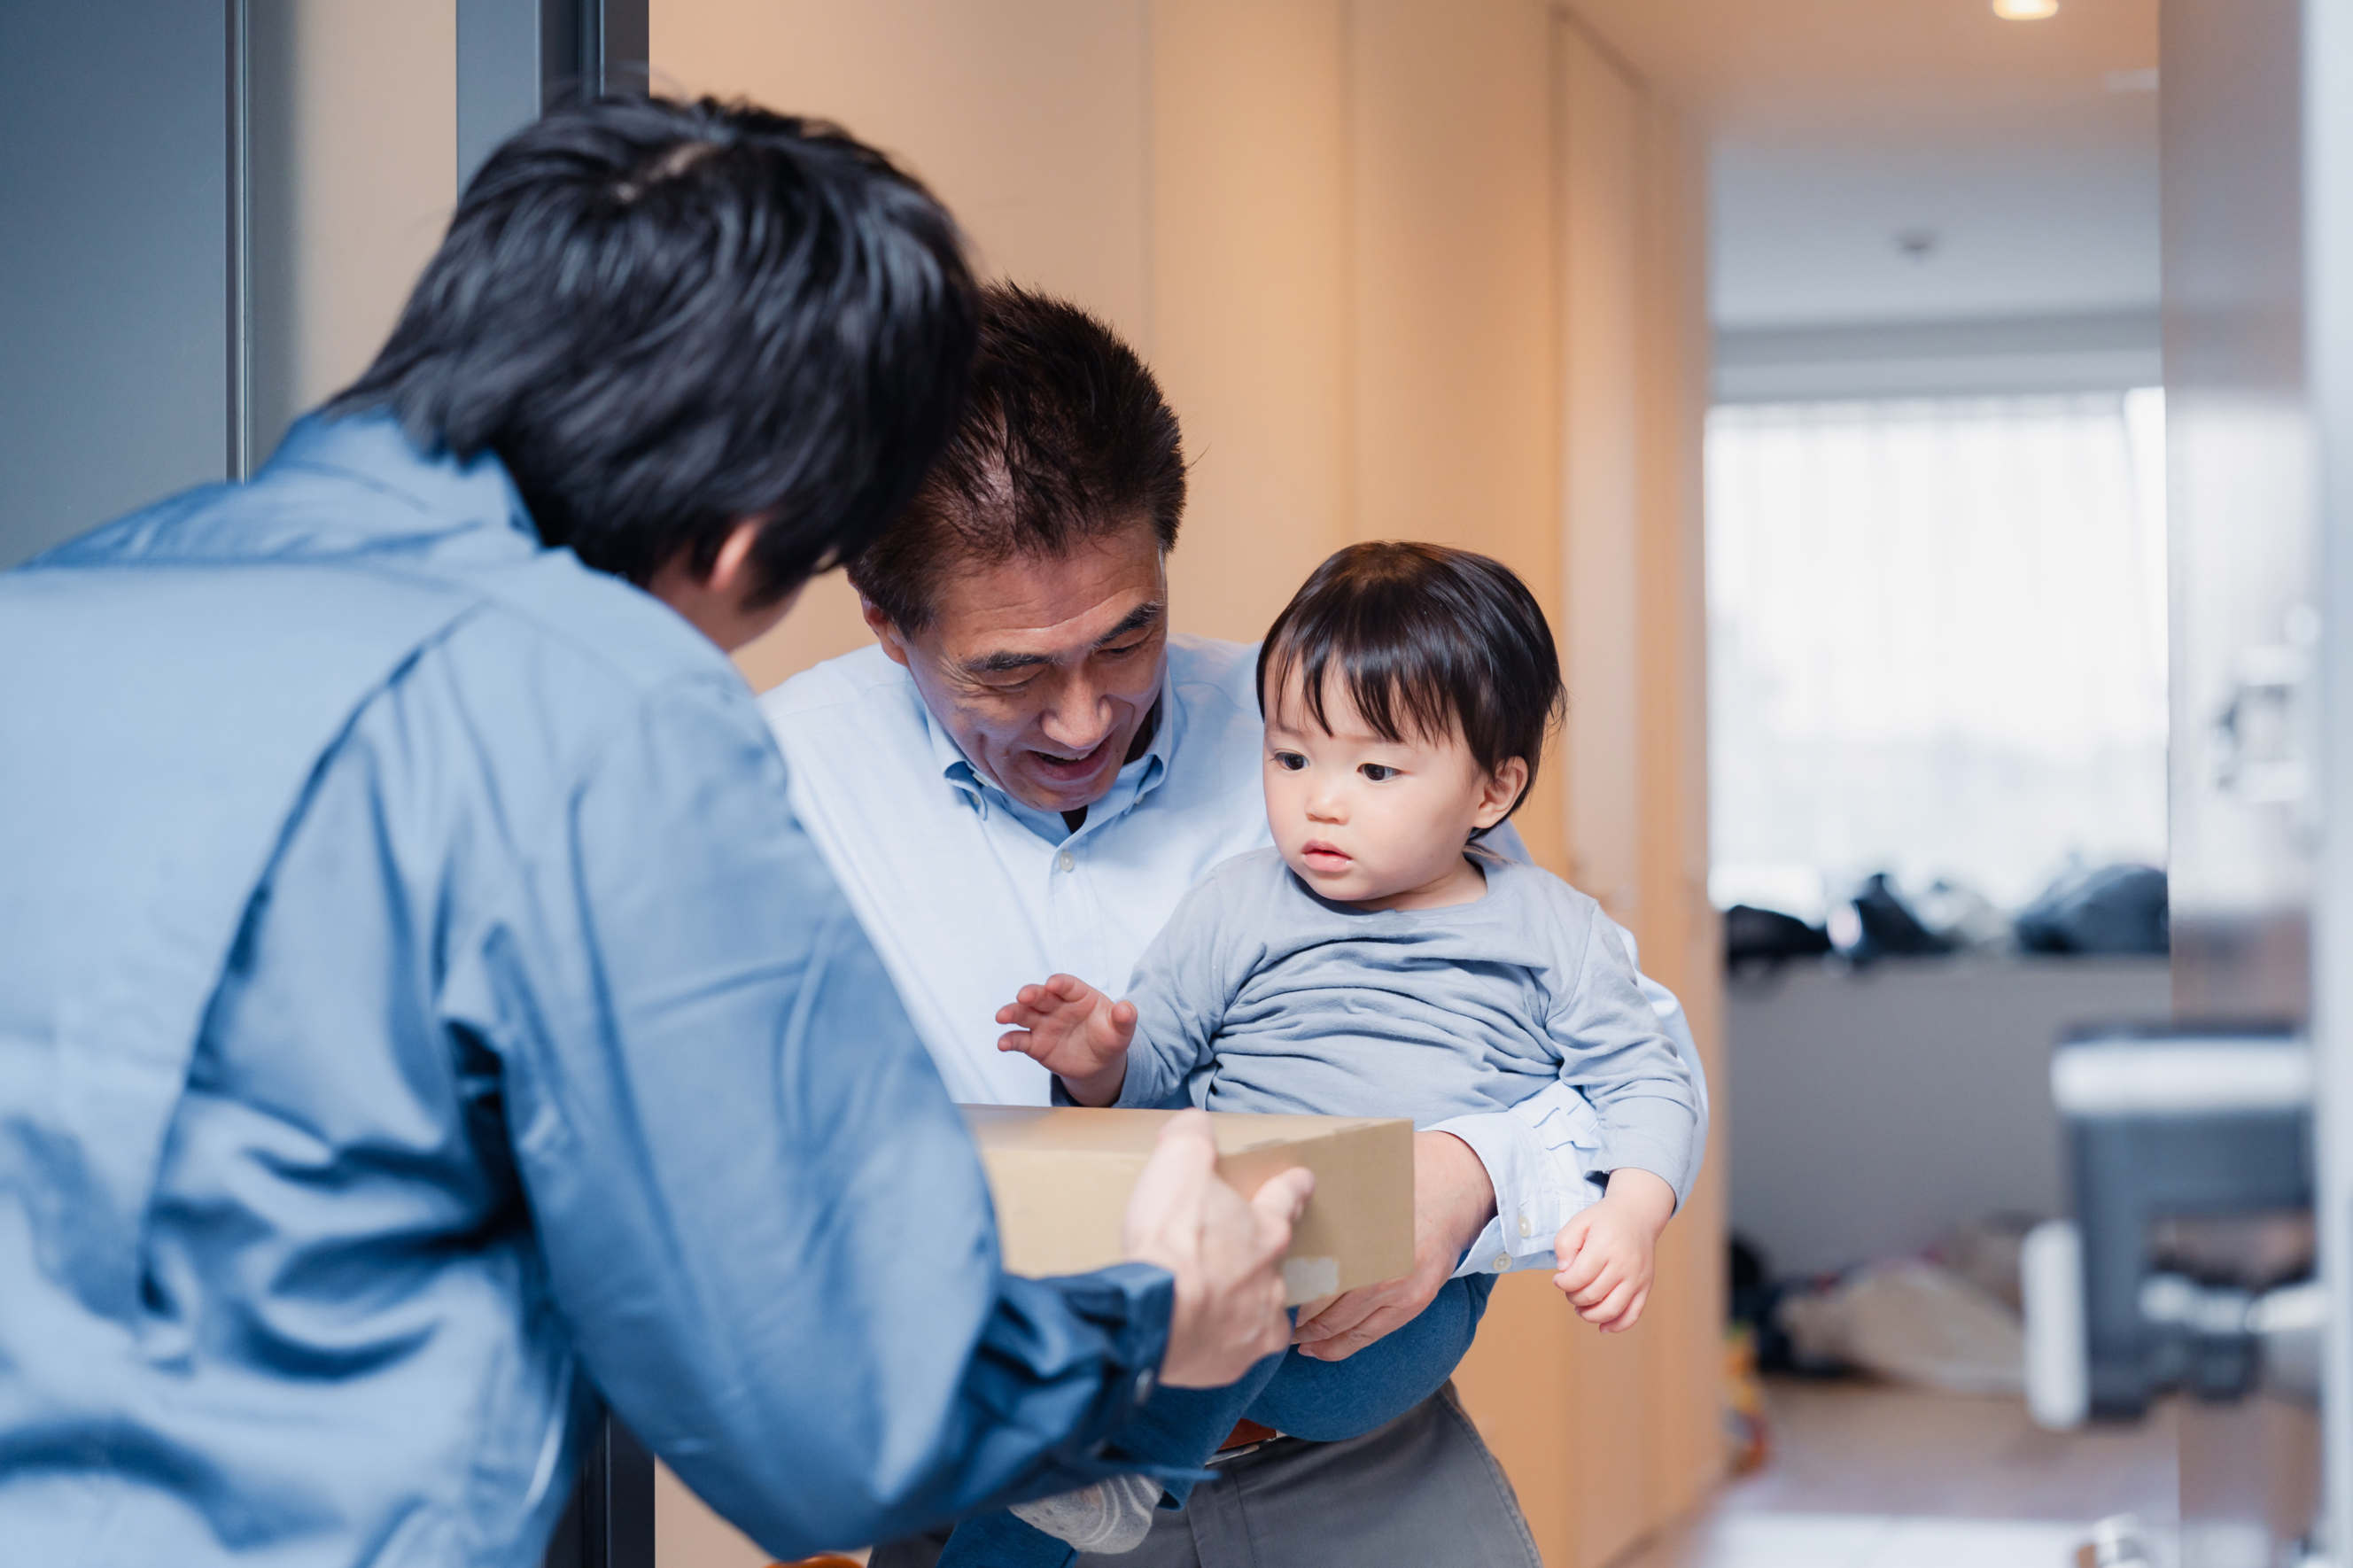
<point>1422,268</point>
<point>1251,298</point>
<point>354,134</point>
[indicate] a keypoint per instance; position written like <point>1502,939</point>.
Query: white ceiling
<point>2028,150</point>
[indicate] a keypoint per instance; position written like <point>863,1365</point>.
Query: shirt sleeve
<point>763,1223</point>
<point>1181,989</point>
<point>1613,1052</point>
<point>1545,1155</point>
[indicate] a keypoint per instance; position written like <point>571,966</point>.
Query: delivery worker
<point>420,1013</point>
<point>1024,776</point>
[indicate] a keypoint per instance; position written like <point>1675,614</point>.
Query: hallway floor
<point>1865,1476</point>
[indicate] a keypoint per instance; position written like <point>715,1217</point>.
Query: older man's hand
<point>1452,1201</point>
<point>1226,1253</point>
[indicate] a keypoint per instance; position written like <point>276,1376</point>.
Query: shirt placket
<point>1073,916</point>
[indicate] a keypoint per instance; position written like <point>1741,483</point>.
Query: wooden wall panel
<point>1455,288</point>
<point>1682,942</point>
<point>1597,120</point>
<point>1250,233</point>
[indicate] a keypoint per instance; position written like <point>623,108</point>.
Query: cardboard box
<point>1062,1176</point>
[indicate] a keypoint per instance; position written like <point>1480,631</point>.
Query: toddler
<point>1377,961</point>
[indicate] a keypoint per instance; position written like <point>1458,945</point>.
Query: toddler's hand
<point>1076,1032</point>
<point>1607,1253</point>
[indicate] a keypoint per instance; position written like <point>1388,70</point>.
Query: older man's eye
<point>1378,772</point>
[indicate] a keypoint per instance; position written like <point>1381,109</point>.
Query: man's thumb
<point>1284,1198</point>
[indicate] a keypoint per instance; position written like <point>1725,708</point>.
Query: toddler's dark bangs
<point>1400,684</point>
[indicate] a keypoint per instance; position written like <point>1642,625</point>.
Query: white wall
<point>1879,1109</point>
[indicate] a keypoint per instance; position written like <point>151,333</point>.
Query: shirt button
<point>1524,1224</point>
<point>1065,862</point>
<point>1502,1262</point>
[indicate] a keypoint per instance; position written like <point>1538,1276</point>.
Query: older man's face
<point>1045,668</point>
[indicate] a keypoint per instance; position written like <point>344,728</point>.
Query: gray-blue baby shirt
<point>1260,996</point>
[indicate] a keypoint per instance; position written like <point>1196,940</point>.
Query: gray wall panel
<point>114,246</point>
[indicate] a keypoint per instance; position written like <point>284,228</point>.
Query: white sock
<point>1110,1516</point>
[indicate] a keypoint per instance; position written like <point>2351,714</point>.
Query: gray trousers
<point>1422,1490</point>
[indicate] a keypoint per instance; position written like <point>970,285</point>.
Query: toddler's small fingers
<point>1610,1307</point>
<point>1596,1290</point>
<point>1580,1273</point>
<point>1632,1315</point>
<point>1015,1040</point>
<point>1069,987</point>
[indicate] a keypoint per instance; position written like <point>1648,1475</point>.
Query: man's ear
<point>1501,791</point>
<point>885,632</point>
<point>732,569</point>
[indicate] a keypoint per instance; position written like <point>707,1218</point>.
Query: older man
<point>1024,775</point>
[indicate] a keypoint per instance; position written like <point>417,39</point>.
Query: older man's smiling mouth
<point>1072,767</point>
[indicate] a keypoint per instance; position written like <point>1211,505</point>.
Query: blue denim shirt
<point>420,1013</point>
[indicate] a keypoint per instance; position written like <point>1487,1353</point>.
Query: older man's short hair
<point>1065,438</point>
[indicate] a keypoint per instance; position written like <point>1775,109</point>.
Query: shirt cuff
<point>1131,1304</point>
<point>1670,1162</point>
<point>1541,1176</point>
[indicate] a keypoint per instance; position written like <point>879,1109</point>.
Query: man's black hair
<point>1428,642</point>
<point>666,318</point>
<point>1065,438</point>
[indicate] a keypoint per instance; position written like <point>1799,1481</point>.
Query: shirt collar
<point>1147,769</point>
<point>442,493</point>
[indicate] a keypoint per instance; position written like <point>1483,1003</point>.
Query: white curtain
<point>1937,641</point>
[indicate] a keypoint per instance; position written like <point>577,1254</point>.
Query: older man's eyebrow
<point>1137,619</point>
<point>1003,663</point>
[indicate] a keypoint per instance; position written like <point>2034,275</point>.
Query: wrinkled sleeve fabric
<point>761,1218</point>
<point>1181,988</point>
<point>1547,1155</point>
<point>1614,1052</point>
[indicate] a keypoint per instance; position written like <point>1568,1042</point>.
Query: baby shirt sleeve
<point>1614,1052</point>
<point>1181,989</point>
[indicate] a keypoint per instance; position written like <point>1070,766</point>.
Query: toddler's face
<point>1367,821</point>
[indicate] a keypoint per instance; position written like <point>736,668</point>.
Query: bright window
<point>1937,641</point>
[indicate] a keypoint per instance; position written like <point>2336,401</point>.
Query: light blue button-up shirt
<point>420,1012</point>
<point>969,896</point>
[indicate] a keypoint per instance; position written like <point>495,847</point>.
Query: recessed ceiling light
<point>2025,10</point>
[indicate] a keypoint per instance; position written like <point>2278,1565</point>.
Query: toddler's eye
<point>1290,762</point>
<point>1378,772</point>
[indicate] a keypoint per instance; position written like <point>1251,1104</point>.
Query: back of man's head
<point>666,318</point>
<point>1064,439</point>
